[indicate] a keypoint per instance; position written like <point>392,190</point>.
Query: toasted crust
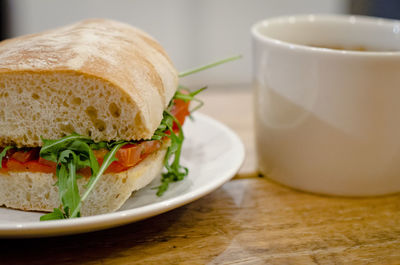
<point>37,192</point>
<point>98,77</point>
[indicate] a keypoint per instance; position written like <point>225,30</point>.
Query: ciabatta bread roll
<point>98,78</point>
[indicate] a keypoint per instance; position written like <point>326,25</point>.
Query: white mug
<point>328,120</point>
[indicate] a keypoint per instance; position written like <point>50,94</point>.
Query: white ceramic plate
<point>211,151</point>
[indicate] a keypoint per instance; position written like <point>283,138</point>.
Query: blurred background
<point>194,32</point>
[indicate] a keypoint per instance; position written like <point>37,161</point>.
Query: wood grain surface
<point>249,220</point>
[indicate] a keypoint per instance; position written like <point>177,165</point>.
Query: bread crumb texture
<point>54,105</point>
<point>99,78</point>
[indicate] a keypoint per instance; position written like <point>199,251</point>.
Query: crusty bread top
<point>97,77</point>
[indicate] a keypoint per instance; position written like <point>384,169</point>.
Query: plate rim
<point>118,218</point>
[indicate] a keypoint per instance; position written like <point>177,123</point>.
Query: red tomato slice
<point>35,166</point>
<point>100,153</point>
<point>180,110</point>
<point>14,165</point>
<point>129,155</point>
<point>25,156</point>
<point>85,172</point>
<point>150,147</point>
<point>47,163</point>
<point>116,167</point>
<point>32,166</point>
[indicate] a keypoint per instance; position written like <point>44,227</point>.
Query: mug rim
<point>352,19</point>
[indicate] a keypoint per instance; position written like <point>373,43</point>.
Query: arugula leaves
<point>202,68</point>
<point>190,96</point>
<point>108,159</point>
<point>56,214</point>
<point>72,153</point>
<point>67,184</point>
<point>175,171</point>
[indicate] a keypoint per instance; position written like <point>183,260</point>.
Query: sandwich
<point>89,113</point>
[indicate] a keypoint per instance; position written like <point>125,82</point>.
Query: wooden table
<point>249,220</point>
